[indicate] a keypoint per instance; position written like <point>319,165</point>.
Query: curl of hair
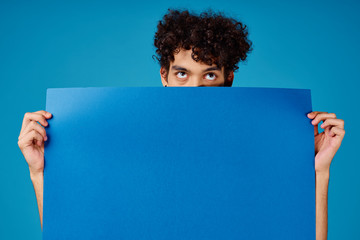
<point>212,37</point>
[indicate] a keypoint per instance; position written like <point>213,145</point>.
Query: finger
<point>337,131</point>
<point>316,130</point>
<point>322,116</point>
<point>312,115</point>
<point>34,125</point>
<point>327,131</point>
<point>45,113</point>
<point>31,138</point>
<point>39,116</point>
<point>333,122</point>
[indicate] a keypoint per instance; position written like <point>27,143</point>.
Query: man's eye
<point>181,75</point>
<point>210,76</point>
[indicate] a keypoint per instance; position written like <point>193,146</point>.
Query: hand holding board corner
<point>179,163</point>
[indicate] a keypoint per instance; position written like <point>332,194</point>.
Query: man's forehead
<point>183,59</point>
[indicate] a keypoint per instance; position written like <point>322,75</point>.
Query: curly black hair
<point>212,37</point>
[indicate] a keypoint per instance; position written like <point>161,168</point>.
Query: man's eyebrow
<point>176,67</point>
<point>212,69</point>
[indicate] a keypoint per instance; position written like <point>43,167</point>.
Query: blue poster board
<point>179,163</point>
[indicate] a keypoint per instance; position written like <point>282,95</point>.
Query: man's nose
<point>196,82</point>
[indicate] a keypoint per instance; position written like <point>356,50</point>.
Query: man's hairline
<point>179,49</point>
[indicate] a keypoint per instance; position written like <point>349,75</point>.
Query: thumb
<point>316,130</point>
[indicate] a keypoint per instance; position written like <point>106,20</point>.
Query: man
<point>199,50</point>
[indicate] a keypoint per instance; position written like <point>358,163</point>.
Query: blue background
<point>107,43</point>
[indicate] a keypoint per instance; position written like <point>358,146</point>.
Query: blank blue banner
<point>179,163</point>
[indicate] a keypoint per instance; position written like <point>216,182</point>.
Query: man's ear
<point>163,75</point>
<point>229,80</point>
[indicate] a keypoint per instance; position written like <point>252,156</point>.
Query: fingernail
<point>45,138</point>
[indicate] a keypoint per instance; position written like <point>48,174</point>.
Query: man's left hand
<point>327,142</point>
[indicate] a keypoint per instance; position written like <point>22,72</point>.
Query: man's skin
<point>184,71</point>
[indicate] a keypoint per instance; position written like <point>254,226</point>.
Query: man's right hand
<point>31,139</point>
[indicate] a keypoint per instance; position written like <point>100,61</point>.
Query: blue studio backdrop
<point>58,44</point>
